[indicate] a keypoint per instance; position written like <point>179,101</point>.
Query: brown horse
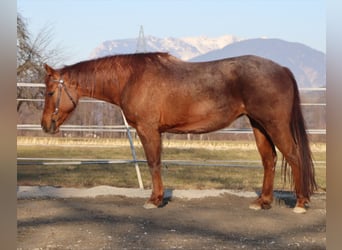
<point>160,93</point>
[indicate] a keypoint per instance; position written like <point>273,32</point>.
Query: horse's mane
<point>150,56</point>
<point>90,71</point>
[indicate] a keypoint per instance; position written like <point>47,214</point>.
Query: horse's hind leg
<point>268,155</point>
<point>291,154</point>
<point>282,138</point>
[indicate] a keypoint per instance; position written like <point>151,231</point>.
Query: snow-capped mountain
<point>184,48</point>
<point>307,64</point>
<point>205,44</point>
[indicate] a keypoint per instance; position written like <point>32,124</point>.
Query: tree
<point>31,56</point>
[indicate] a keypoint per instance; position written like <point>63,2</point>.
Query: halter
<point>61,86</point>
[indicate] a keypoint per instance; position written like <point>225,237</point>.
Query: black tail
<point>308,183</point>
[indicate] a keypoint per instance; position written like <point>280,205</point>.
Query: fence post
<point>141,186</point>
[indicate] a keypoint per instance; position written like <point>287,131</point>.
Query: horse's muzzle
<point>52,129</point>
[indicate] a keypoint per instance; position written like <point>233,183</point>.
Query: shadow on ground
<point>117,222</point>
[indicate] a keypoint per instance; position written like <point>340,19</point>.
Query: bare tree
<point>31,56</point>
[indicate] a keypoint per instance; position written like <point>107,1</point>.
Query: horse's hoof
<point>299,210</point>
<point>149,205</point>
<point>255,206</point>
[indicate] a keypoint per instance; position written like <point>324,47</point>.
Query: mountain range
<point>307,64</point>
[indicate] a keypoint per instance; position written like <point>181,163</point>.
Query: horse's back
<point>249,70</point>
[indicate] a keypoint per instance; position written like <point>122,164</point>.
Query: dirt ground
<point>117,222</point>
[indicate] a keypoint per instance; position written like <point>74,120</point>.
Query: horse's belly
<point>193,129</point>
<point>204,124</point>
<point>202,117</point>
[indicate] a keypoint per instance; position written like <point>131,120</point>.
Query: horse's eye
<point>50,93</point>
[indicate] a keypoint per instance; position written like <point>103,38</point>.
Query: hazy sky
<point>80,26</point>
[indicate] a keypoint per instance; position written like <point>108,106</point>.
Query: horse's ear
<point>49,70</point>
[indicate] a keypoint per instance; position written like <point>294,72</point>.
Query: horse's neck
<point>100,89</point>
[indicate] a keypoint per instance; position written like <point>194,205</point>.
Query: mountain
<point>205,44</point>
<point>307,64</point>
<point>184,48</point>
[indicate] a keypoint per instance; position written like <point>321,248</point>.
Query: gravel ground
<point>113,218</point>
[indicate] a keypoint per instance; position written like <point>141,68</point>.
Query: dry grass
<point>107,142</point>
<point>175,176</point>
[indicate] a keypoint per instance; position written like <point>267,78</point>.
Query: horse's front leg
<point>151,141</point>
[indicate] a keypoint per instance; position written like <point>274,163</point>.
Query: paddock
<point>118,221</point>
<point>111,217</point>
<point>214,222</point>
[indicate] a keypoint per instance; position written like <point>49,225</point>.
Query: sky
<point>79,26</point>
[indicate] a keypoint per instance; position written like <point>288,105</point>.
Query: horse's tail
<point>298,129</point>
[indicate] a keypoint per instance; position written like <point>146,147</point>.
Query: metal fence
<point>124,128</point>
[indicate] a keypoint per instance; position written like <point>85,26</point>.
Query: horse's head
<point>60,99</point>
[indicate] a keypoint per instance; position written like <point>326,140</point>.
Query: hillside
<point>307,64</point>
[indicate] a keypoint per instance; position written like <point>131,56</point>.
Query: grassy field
<point>178,177</point>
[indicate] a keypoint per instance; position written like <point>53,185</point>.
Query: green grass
<point>174,176</point>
